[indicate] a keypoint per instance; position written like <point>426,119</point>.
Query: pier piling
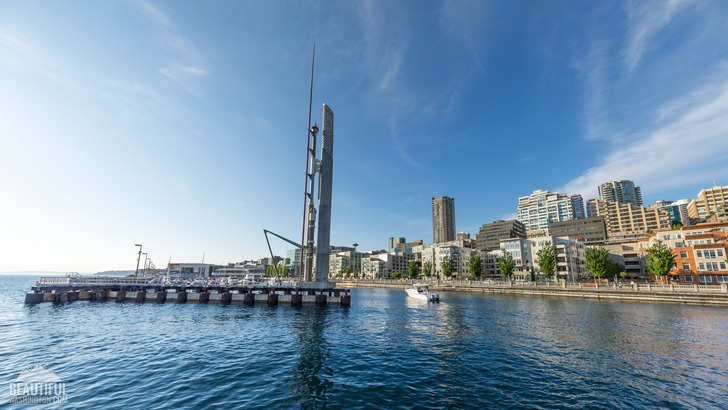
<point>182,297</point>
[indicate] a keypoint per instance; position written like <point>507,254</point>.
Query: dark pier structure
<point>131,289</point>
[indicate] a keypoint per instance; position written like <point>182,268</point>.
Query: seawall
<point>714,295</point>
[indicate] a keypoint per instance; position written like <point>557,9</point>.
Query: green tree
<point>614,269</point>
<point>547,261</point>
<point>413,269</point>
<point>396,275</point>
<point>660,259</point>
<point>597,261</point>
<point>270,270</point>
<point>427,268</point>
<point>676,225</point>
<point>476,265</point>
<point>447,267</point>
<point>506,264</point>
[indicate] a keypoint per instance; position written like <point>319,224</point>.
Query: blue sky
<point>181,124</point>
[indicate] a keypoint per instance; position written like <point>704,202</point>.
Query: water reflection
<point>312,383</point>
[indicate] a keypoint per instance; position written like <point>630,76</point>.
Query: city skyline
<point>182,126</point>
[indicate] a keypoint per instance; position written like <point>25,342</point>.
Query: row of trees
<point>659,258</point>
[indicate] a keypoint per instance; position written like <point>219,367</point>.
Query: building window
<point>683,254</point>
<point>720,253</point>
<point>688,278</point>
<point>701,266</point>
<point>722,266</point>
<point>699,254</point>
<point>722,278</point>
<point>686,266</point>
<point>706,279</point>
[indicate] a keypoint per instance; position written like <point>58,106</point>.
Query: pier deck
<point>69,289</point>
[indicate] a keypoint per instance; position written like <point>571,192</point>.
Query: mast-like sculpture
<point>309,210</point>
<point>326,174</point>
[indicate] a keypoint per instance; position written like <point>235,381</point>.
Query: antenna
<point>308,197</point>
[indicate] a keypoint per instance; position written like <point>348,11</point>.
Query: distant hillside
<point>115,273</point>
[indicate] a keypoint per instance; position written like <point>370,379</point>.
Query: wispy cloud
<point>26,55</point>
<point>646,19</point>
<point>595,68</point>
<point>668,154</point>
<point>189,63</point>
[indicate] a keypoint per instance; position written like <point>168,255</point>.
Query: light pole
<point>139,256</point>
<point>145,263</point>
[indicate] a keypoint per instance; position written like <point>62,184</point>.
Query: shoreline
<point>677,294</point>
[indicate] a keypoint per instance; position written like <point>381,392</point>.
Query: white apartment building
<point>535,211</point>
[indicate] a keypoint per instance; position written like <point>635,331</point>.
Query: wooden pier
<point>69,289</point>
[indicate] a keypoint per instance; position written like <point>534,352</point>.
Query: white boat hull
<point>422,294</point>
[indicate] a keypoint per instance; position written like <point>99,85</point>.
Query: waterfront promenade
<point>645,292</point>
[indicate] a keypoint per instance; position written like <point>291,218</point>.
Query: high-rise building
<point>710,201</point>
<point>622,191</point>
<point>625,221</point>
<point>490,235</point>
<point>577,203</point>
<point>678,210</point>
<point>326,175</point>
<point>537,210</point>
<point>443,219</point>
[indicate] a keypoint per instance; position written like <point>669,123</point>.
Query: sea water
<point>385,351</point>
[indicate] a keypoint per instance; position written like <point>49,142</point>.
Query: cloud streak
<point>691,146</point>
<point>188,62</point>
<point>646,19</point>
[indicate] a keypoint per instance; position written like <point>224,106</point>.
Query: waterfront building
<point>710,201</point>
<point>381,264</point>
<point>459,252</point>
<point>490,235</point>
<point>346,262</point>
<point>570,260</point>
<point>624,192</point>
<point>443,219</point>
<point>537,210</point>
<point>625,221</point>
<point>592,229</point>
<point>677,210</point>
<point>629,255</point>
<point>701,252</point>
<point>400,245</point>
<point>191,270</point>
<point>394,243</point>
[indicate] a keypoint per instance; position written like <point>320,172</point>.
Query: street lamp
<point>139,256</point>
<point>145,264</point>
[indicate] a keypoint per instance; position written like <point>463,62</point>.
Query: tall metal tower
<point>309,209</point>
<point>326,174</point>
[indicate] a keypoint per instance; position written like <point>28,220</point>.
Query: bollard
<point>272,299</point>
<point>297,299</point>
<point>161,297</point>
<point>99,295</point>
<point>226,298</point>
<point>321,299</point>
<point>33,297</point>
<point>182,297</point>
<point>249,299</point>
<point>120,295</point>
<point>141,296</point>
<point>345,300</point>
<point>204,297</point>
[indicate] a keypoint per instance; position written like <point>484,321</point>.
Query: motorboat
<point>422,291</point>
